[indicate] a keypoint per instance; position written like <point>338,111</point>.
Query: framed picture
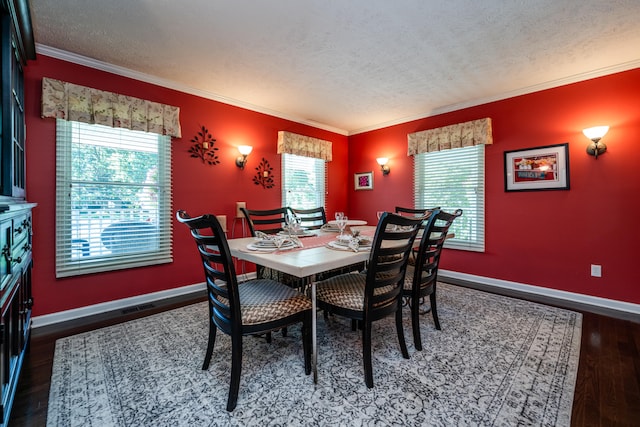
<point>363,181</point>
<point>540,168</point>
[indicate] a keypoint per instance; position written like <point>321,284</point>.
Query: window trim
<point>476,244</point>
<point>66,266</point>
<point>323,193</point>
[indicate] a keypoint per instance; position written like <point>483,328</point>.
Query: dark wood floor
<point>607,389</point>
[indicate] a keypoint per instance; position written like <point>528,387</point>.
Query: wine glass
<point>339,215</point>
<point>379,214</point>
<point>293,224</point>
<point>342,223</point>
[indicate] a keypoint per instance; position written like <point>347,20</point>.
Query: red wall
<point>544,238</point>
<point>198,188</point>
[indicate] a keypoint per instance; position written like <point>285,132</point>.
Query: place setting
<point>264,242</point>
<point>355,242</point>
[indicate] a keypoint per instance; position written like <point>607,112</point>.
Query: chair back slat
<point>390,253</point>
<point>414,212</point>
<point>312,219</point>
<point>219,270</point>
<point>430,249</point>
<point>268,221</point>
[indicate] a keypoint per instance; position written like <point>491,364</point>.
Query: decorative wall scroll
<point>363,181</point>
<point>203,148</point>
<point>264,174</point>
<point>540,168</point>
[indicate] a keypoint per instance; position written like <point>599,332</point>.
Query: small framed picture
<point>540,168</point>
<point>363,181</point>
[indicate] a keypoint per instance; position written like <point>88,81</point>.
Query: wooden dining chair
<point>422,274</point>
<point>376,293</point>
<point>268,221</point>
<point>253,307</point>
<point>312,219</point>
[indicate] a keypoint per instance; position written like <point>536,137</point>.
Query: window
<point>113,198</point>
<point>304,183</point>
<point>454,179</point>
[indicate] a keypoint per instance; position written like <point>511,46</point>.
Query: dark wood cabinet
<point>15,212</point>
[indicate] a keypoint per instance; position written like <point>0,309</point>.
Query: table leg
<point>314,345</point>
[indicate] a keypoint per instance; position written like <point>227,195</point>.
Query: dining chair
<point>252,307</point>
<point>312,219</point>
<point>422,275</point>
<point>268,221</point>
<point>377,292</point>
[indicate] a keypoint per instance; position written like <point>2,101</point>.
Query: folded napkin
<point>278,240</point>
<point>355,242</point>
<point>329,227</point>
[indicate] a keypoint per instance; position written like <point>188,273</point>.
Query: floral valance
<point>465,134</point>
<point>68,101</point>
<point>307,146</point>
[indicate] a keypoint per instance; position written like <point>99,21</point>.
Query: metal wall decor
<point>264,174</point>
<point>203,148</point>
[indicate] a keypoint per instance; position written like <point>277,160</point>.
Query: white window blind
<point>454,179</point>
<point>113,198</point>
<point>304,183</point>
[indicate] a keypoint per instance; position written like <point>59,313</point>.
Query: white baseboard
<point>91,310</point>
<point>96,309</point>
<point>572,297</point>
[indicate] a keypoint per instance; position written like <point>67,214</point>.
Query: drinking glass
<point>293,224</point>
<point>342,223</point>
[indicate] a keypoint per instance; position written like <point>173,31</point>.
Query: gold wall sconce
<point>242,159</point>
<point>382,161</point>
<point>595,134</point>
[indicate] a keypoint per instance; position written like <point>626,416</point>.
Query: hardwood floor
<point>607,389</point>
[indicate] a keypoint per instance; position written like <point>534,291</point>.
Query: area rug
<point>497,361</point>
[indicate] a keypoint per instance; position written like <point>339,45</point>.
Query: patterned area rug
<point>498,361</point>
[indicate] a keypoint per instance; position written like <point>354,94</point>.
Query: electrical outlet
<point>596,270</point>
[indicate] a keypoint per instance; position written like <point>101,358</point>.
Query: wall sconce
<point>595,134</point>
<point>382,161</point>
<point>242,160</point>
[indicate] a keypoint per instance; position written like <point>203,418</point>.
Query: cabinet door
<point>13,122</point>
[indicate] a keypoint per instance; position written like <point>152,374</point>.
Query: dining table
<point>316,255</point>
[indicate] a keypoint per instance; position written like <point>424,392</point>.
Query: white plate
<point>345,239</point>
<point>257,247</point>
<point>350,222</point>
<point>302,233</point>
<point>341,246</point>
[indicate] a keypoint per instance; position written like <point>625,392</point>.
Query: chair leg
<point>236,368</point>
<point>366,354</point>
<point>415,325</point>
<point>284,331</point>
<point>400,330</point>
<point>212,340</point>
<point>434,310</point>
<point>269,337</point>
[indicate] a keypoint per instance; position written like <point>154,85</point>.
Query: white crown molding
<point>125,72</point>
<point>506,95</point>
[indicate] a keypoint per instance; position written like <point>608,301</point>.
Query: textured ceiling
<point>348,65</point>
